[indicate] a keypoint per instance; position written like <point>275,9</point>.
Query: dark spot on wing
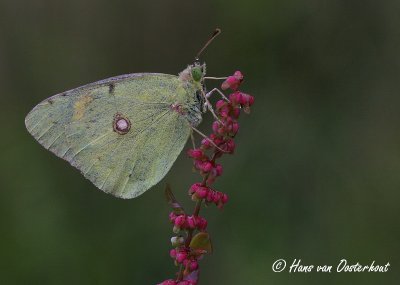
<point>50,101</point>
<point>64,94</point>
<point>111,88</point>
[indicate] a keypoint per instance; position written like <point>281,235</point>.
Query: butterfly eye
<point>197,73</point>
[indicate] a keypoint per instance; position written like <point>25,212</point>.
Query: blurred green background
<point>315,176</point>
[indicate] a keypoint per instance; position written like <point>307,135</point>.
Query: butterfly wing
<point>80,126</point>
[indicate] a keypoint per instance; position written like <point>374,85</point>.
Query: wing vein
<point>90,143</point>
<point>55,140</point>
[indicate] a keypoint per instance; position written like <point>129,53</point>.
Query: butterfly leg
<point>192,138</point>
<point>209,107</point>
<point>215,78</point>
<point>208,94</point>
<point>207,138</point>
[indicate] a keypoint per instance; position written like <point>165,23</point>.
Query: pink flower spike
<point>191,241</point>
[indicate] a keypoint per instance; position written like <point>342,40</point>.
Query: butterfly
<point>123,133</point>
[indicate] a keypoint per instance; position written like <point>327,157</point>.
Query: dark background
<point>315,175</point>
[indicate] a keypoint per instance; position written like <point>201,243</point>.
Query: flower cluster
<point>233,82</point>
<point>199,192</point>
<point>188,249</point>
<point>184,222</point>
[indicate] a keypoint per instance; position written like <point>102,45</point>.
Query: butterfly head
<point>194,74</point>
<point>198,71</point>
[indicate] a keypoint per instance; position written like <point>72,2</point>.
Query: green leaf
<point>176,207</point>
<point>201,241</point>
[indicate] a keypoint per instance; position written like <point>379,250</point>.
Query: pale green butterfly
<point>125,132</point>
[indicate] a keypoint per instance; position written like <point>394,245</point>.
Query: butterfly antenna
<point>213,36</point>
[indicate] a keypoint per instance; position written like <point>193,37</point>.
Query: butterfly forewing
<point>81,127</point>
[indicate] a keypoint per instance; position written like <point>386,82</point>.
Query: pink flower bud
<point>172,253</point>
<point>224,198</point>
<point>181,256</point>
<point>218,170</point>
<point>235,128</point>
<point>195,153</point>
<point>198,164</point>
<point>224,112</point>
<point>194,188</point>
<point>216,126</point>
<point>180,221</point>
<point>206,166</point>
<point>206,143</point>
<point>230,146</point>
<point>215,197</point>
<point>201,192</point>
<point>251,100</point>
<point>218,141</point>
<point>244,99</point>
<point>209,197</point>
<point>191,222</point>
<point>201,223</point>
<point>172,217</point>
<point>220,104</point>
<point>236,98</point>
<point>236,113</point>
<point>233,81</point>
<point>193,265</point>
